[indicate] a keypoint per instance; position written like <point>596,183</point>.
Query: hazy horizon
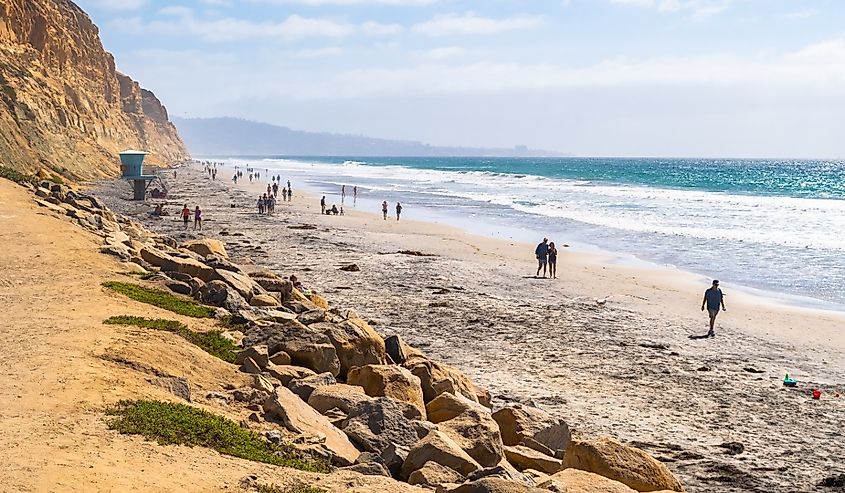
<point>594,78</point>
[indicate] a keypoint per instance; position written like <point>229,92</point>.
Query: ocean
<point>771,225</point>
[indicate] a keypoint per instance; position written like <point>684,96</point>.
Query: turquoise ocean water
<point>773,225</point>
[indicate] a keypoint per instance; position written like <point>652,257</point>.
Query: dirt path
<point>625,369</point>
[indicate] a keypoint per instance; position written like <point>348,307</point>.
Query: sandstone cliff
<point>63,106</point>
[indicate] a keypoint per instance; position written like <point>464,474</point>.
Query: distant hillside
<point>232,136</point>
<point>63,107</point>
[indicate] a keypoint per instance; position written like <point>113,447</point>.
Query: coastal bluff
<point>64,108</point>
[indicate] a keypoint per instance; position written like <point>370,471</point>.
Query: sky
<point>683,78</point>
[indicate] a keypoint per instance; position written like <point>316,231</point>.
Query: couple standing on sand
<point>546,257</point>
<point>186,217</point>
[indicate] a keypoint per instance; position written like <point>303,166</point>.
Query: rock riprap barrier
<point>327,382</point>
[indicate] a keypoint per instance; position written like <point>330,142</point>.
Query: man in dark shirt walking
<point>713,300</point>
<point>542,253</point>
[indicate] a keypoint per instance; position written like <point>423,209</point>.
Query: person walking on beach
<point>186,216</point>
<point>398,210</point>
<point>290,193</point>
<point>342,193</point>
<point>275,189</point>
<point>197,218</point>
<point>323,205</point>
<point>260,205</point>
<point>354,195</point>
<point>552,260</point>
<point>713,300</point>
<point>542,253</point>
<point>284,194</point>
<point>384,209</point>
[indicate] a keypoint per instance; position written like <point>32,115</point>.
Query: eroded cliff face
<point>62,104</point>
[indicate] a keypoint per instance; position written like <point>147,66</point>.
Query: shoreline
<point>682,290</point>
<point>625,368</point>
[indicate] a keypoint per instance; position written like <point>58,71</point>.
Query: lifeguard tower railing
<point>132,168</point>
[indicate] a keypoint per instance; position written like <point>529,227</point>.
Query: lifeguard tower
<point>132,168</point>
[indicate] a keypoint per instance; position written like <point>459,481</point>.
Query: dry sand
<point>626,367</point>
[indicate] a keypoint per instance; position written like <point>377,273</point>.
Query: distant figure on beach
<point>269,189</point>
<point>174,174</point>
<point>341,210</point>
<point>284,194</point>
<point>279,179</point>
<point>323,205</point>
<point>354,195</point>
<point>398,210</point>
<point>334,209</point>
<point>552,260</point>
<point>271,204</point>
<point>542,253</point>
<point>260,205</point>
<point>290,193</point>
<point>288,184</point>
<point>250,177</point>
<point>186,216</point>
<point>275,189</point>
<point>197,218</point>
<point>235,178</point>
<point>296,284</point>
<point>713,300</point>
<point>214,174</point>
<point>384,209</point>
<point>342,193</point>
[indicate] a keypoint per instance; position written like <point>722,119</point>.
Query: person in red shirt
<point>186,215</point>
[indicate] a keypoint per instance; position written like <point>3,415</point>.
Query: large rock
<point>447,406</point>
<point>628,465</point>
<point>477,434</point>
<point>520,422</point>
<point>525,458</point>
<point>440,448</point>
<point>437,378</point>
<point>257,353</point>
<point>339,395</point>
<point>206,247</point>
<point>299,417</point>
<point>389,381</point>
<point>433,474</point>
<point>376,424</point>
<point>303,387</point>
<point>495,485</point>
<point>305,346</point>
<point>242,283</point>
<point>286,373</point>
<point>218,293</point>
<point>356,343</point>
<point>261,300</point>
<point>168,262</point>
<point>577,481</point>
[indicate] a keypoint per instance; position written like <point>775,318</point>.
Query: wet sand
<point>605,346</point>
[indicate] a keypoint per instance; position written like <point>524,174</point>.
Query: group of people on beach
<point>329,211</point>
<point>186,217</point>
<point>210,169</point>
<point>384,208</point>
<point>546,254</point>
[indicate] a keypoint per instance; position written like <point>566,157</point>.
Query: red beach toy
<point>817,394</point>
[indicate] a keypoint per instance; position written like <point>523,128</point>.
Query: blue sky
<point>759,78</point>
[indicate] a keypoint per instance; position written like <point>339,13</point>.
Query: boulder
<point>286,373</point>
<point>389,381</point>
<point>168,262</point>
<point>628,465</point>
<point>262,383</point>
<point>250,366</point>
<point>257,353</point>
<point>447,406</point>
<point>484,397</point>
<point>303,387</point>
<point>314,316</point>
<point>356,343</point>
<point>206,246</point>
<point>395,348</point>
<point>440,448</point>
<point>368,469</point>
<point>218,293</point>
<point>477,434</point>
<point>263,300</point>
<point>433,474</point>
<point>298,417</point>
<point>437,378</point>
<point>280,358</point>
<point>577,481</point>
<point>519,422</point>
<point>525,458</point>
<point>178,287</point>
<point>337,396</point>
<point>305,346</point>
<point>375,424</point>
<point>495,485</point>
<point>242,283</point>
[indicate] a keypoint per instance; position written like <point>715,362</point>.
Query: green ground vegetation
<point>170,423</point>
<point>161,299</point>
<point>212,342</point>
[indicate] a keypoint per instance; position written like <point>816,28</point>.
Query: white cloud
<point>372,28</point>
<point>800,14</point>
<point>175,11</point>
<point>119,4</point>
<point>697,9</point>
<point>470,23</point>
<point>443,53</point>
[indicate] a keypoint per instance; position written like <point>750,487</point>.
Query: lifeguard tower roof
<point>133,151</point>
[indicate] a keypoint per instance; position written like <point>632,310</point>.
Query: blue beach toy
<point>788,382</point>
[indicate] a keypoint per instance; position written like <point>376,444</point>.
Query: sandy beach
<point>605,345</point>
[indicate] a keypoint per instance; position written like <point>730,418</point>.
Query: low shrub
<point>212,342</point>
<point>161,299</point>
